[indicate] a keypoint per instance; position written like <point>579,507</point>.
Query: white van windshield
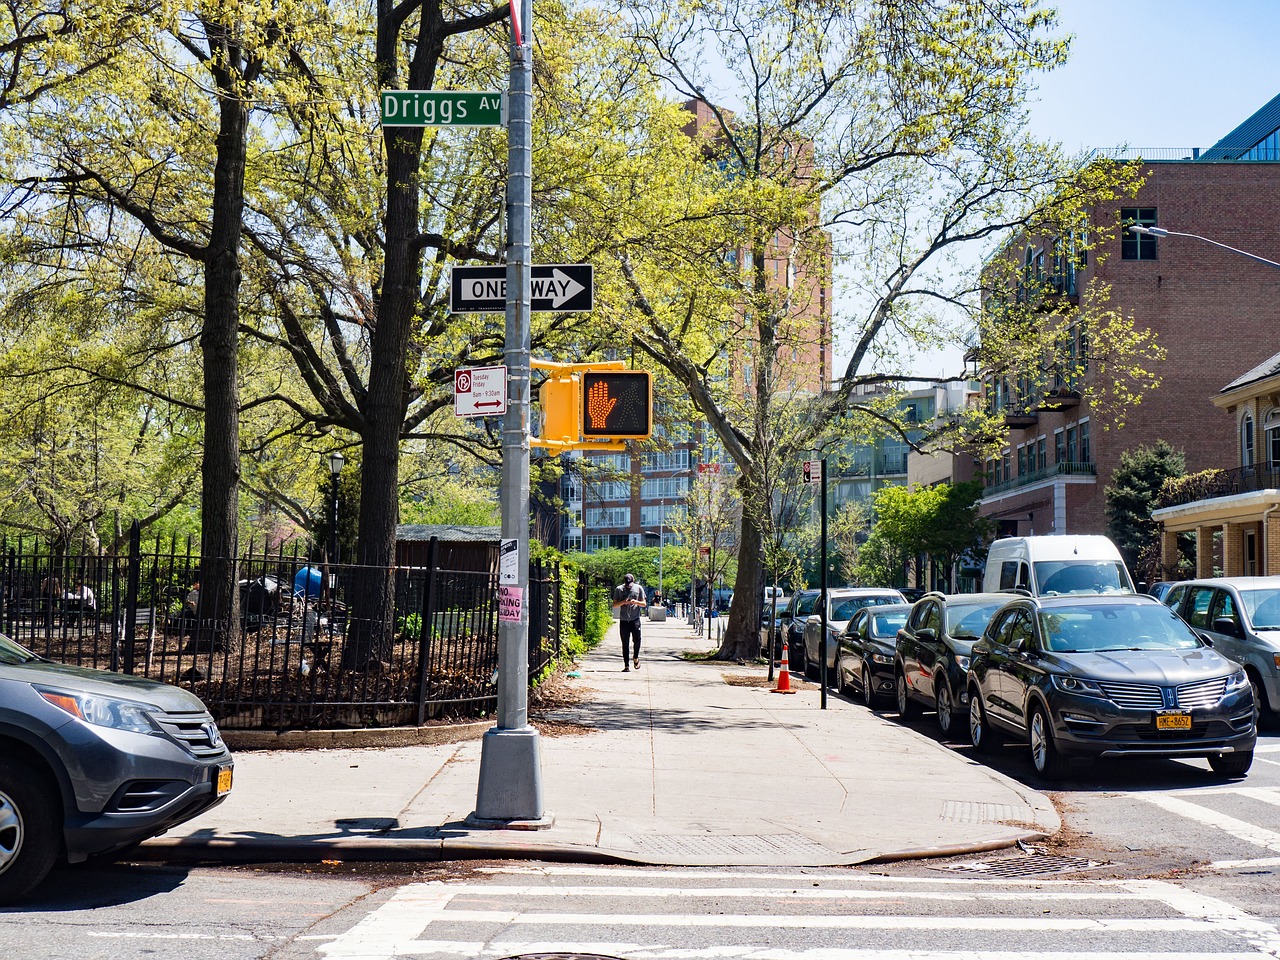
<point>1081,576</point>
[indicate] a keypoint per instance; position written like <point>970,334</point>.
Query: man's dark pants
<point>632,628</point>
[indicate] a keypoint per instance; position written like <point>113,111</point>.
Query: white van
<point>1051,565</point>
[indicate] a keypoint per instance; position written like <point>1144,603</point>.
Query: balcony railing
<point>1044,473</point>
<point>1224,483</point>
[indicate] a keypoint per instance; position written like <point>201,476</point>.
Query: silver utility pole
<point>510,788</point>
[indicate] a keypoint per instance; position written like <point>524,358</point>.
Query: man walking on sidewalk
<point>629,595</point>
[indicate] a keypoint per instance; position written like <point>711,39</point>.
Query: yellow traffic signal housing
<point>561,408</point>
<point>617,405</point>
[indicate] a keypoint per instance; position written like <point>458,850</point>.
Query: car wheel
<point>868,688</point>
<point>29,835</point>
<point>946,709</point>
<point>907,708</point>
<point>981,735</point>
<point>1231,764</point>
<point>1261,709</point>
<point>1046,759</point>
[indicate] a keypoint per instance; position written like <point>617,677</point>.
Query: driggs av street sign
<point>441,108</point>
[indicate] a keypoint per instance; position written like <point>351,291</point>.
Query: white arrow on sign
<point>559,289</point>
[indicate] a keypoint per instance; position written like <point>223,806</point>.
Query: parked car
<point>931,656</point>
<point>1240,616</point>
<point>92,762</point>
<point>791,627</point>
<point>1160,589</point>
<point>1107,676</point>
<point>842,604</point>
<point>864,659</point>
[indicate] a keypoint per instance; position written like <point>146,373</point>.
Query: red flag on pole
<point>515,22</point>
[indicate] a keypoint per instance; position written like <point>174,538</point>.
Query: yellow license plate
<point>224,780</point>
<point>1173,721</point>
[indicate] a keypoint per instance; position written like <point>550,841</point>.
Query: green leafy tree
<point>1131,495</point>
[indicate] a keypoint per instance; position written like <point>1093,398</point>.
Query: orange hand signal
<point>600,404</point>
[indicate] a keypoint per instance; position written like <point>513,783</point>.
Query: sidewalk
<point>683,766</point>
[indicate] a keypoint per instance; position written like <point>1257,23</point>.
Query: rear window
<point>888,624</point>
<point>807,603</point>
<point>1263,607</point>
<point>846,608</point>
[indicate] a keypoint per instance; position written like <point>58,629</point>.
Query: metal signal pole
<point>510,787</point>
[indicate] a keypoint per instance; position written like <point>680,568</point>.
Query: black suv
<point>92,762</point>
<point>791,626</point>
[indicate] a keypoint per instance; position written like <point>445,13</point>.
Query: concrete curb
<point>341,739</point>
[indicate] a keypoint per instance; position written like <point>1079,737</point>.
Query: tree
<point>1131,496</point>
<point>879,137</point>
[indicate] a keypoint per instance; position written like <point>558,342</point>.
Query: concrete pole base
<point>509,794</point>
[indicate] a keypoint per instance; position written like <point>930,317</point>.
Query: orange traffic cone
<point>784,675</point>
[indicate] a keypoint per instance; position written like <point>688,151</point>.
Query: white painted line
<point>1259,934</point>
<point>652,951</point>
<point>1245,864</point>
<point>1240,829</point>
<point>836,922</point>
<point>1268,748</point>
<point>398,923</point>
<point>510,891</point>
<point>861,877</point>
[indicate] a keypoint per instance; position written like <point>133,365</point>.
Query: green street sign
<point>441,108</point>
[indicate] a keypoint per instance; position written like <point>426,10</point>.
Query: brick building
<point>1213,311</point>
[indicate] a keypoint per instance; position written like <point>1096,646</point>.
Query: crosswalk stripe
<point>1240,829</point>
<point>793,893</point>
<point>651,951</point>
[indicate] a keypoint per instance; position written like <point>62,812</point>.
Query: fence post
<point>559,605</point>
<point>424,634</point>
<point>131,593</point>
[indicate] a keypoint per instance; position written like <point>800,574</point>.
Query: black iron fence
<point>278,664</point>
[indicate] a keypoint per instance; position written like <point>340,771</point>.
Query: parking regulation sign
<point>480,391</point>
<point>813,471</point>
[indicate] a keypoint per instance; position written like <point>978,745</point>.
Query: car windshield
<point>1103,627</point>
<point>888,624</point>
<point>11,653</point>
<point>1081,576</point>
<point>1263,607</point>
<point>970,619</point>
<point>806,603</point>
<point>843,608</point>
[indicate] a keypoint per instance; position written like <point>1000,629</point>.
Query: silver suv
<point>92,762</point>
<point>1240,616</point>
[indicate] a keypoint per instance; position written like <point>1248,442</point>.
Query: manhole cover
<point>1033,866</point>
<point>561,956</point>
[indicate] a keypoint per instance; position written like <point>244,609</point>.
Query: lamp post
<point>336,461</point>
<point>1162,232</point>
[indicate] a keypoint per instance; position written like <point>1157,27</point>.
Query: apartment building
<point>1214,312</point>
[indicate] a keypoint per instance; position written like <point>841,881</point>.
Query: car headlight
<point>1076,685</point>
<point>1237,681</point>
<point>104,711</point>
<point>963,663</point>
<point>884,658</point>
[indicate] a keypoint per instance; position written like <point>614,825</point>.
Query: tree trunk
<point>219,342</point>
<point>742,638</point>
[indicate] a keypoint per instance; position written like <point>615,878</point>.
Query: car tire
<point>1262,715</point>
<point>30,839</point>
<point>908,709</point>
<point>1045,758</point>
<point>981,736</point>
<point>1231,764</point>
<point>868,688</point>
<point>838,681</point>
<point>947,719</point>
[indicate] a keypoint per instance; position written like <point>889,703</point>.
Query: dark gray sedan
<point>864,659</point>
<point>1107,676</point>
<point>92,762</point>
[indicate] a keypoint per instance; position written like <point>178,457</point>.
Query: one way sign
<point>556,288</point>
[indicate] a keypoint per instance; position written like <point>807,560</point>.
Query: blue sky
<point>1150,73</point>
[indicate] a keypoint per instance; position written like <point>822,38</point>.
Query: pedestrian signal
<point>561,404</point>
<point>617,405</point>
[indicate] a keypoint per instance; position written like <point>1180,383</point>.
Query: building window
<point>1135,246</point>
<point>609,517</point>
<point>1041,453</point>
<point>1246,441</point>
<point>1273,440</point>
<point>571,544</point>
<point>1022,461</point>
<point>664,488</point>
<point>1086,449</point>
<point>1073,444</point>
<point>1059,447</point>
<point>597,542</point>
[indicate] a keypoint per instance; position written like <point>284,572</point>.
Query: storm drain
<point>708,845</point>
<point>1037,865</point>
<point>561,956</point>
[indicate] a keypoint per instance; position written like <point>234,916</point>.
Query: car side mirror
<point>926,633</point>
<point>1227,625</point>
<point>1019,645</point>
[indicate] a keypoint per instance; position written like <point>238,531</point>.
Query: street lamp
<point>1162,232</point>
<point>336,460</point>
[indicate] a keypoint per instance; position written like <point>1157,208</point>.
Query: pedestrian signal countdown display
<point>617,405</point>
